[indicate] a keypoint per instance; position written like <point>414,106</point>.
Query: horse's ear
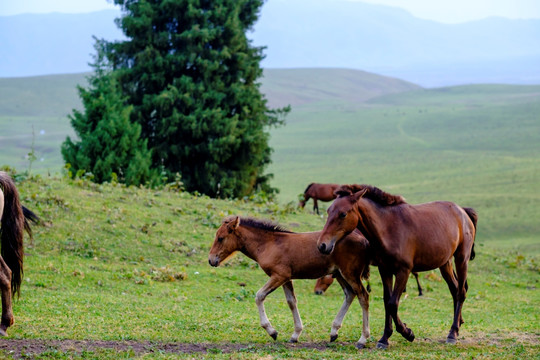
<point>236,223</point>
<point>359,194</point>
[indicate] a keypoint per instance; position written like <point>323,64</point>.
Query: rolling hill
<point>476,145</point>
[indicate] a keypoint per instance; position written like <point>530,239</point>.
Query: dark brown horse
<point>13,222</point>
<point>323,192</point>
<point>284,256</point>
<point>406,238</point>
<point>323,283</point>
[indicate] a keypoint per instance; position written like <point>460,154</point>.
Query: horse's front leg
<point>386,278</point>
<point>5,287</point>
<point>291,301</point>
<point>271,285</point>
<point>349,297</point>
<point>401,282</point>
<point>315,206</point>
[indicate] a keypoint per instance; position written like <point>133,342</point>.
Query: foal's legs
<point>272,284</point>
<point>291,301</point>
<point>5,287</point>
<point>355,283</point>
<point>349,297</point>
<point>418,283</point>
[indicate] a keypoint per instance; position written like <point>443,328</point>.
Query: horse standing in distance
<point>284,256</point>
<point>315,191</point>
<point>406,238</point>
<point>13,222</point>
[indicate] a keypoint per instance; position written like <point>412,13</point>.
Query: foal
<point>284,256</point>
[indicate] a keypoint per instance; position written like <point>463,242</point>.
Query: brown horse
<point>406,238</point>
<point>13,222</point>
<point>323,192</point>
<point>284,256</point>
<point>323,283</point>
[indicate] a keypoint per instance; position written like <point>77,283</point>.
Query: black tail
<point>13,224</point>
<point>473,215</point>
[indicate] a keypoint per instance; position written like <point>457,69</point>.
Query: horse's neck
<point>373,223</point>
<point>253,243</point>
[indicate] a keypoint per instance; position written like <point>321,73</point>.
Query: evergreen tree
<point>191,74</point>
<point>109,142</point>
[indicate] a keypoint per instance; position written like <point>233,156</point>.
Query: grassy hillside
<point>476,145</point>
<point>127,267</point>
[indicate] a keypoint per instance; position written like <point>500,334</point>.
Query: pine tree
<point>109,143</point>
<point>191,74</point>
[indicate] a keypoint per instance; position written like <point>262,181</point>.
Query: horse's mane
<point>266,225</point>
<point>310,185</point>
<point>373,193</point>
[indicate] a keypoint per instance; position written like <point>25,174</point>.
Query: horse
<point>315,191</point>
<point>323,283</point>
<point>405,238</point>
<point>284,255</point>
<point>13,222</point>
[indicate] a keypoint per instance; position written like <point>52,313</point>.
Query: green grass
<point>126,264</point>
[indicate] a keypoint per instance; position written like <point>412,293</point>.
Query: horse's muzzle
<point>325,249</point>
<point>213,262</point>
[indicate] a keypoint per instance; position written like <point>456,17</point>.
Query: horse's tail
<point>13,224</point>
<point>473,215</point>
<point>310,185</point>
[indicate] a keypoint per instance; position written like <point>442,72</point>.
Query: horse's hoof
<point>333,338</point>
<point>360,346</point>
<point>410,336</point>
<point>274,335</point>
<point>293,341</point>
<point>451,341</point>
<point>382,346</point>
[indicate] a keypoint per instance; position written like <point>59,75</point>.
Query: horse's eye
<point>342,214</point>
<point>219,239</point>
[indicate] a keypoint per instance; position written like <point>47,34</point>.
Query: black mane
<point>373,193</point>
<point>266,225</point>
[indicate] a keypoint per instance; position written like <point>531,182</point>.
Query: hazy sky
<point>449,11</point>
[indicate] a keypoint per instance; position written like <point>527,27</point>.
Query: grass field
<point>120,272</point>
<point>114,266</point>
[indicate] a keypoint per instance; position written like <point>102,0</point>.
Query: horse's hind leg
<point>291,301</point>
<point>349,297</point>
<point>271,285</point>
<point>420,293</point>
<point>461,272</point>
<point>5,287</point>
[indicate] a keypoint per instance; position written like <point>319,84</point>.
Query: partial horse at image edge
<point>14,221</point>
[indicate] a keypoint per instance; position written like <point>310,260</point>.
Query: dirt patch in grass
<point>19,348</point>
<point>30,347</point>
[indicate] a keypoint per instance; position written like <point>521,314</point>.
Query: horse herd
<point>365,226</point>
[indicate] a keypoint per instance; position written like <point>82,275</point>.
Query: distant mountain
<point>56,95</point>
<point>311,34</point>
<point>42,44</point>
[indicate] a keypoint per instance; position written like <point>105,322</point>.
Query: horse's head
<point>343,217</point>
<point>322,284</point>
<point>226,241</point>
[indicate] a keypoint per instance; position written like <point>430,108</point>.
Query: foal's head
<point>343,216</point>
<point>226,241</point>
